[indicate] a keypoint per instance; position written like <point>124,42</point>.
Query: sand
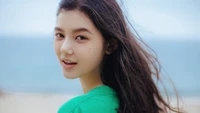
<point>49,103</point>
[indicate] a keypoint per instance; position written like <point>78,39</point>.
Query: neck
<point>89,82</point>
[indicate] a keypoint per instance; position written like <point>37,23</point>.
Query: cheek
<point>95,54</point>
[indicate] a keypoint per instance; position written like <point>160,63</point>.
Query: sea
<point>28,64</point>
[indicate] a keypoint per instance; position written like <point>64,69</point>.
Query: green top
<point>101,99</point>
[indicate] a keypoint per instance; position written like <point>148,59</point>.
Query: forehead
<point>74,19</point>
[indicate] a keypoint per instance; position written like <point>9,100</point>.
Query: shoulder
<point>100,104</point>
<point>91,104</point>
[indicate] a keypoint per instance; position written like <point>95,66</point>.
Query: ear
<point>111,46</point>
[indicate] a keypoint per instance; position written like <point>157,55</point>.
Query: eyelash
<point>83,38</point>
<point>62,36</point>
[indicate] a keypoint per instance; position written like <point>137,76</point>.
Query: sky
<point>151,18</point>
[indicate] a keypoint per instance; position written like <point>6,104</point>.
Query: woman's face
<point>78,44</point>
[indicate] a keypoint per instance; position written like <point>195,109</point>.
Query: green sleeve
<point>80,109</point>
<point>94,107</point>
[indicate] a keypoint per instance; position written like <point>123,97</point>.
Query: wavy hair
<point>129,70</point>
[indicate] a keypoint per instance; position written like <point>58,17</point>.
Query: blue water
<point>30,65</point>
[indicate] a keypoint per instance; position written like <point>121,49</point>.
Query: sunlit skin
<point>77,39</point>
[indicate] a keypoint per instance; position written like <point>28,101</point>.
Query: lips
<point>67,64</point>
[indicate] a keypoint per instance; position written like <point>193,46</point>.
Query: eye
<point>80,38</point>
<point>59,35</point>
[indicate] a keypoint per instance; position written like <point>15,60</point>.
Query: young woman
<point>94,43</point>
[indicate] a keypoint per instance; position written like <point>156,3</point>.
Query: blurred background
<point>29,65</point>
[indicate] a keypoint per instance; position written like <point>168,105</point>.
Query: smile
<point>68,65</point>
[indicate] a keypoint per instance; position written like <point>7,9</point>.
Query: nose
<point>66,47</point>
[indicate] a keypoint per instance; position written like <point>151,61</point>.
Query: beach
<point>49,103</point>
<point>31,103</point>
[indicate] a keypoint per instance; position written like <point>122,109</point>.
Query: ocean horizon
<point>30,65</point>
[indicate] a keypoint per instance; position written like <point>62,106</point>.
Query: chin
<point>68,76</point>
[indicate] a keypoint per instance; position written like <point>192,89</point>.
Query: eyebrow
<point>75,30</point>
<point>58,29</point>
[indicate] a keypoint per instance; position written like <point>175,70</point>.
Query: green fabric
<point>101,99</point>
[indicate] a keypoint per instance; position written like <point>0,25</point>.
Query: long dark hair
<point>129,69</point>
